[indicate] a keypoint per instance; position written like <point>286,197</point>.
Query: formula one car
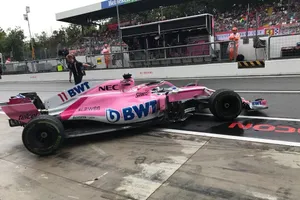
<point>88,109</point>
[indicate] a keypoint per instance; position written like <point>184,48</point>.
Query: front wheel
<point>43,135</point>
<point>225,104</point>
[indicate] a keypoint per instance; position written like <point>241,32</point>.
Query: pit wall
<point>273,67</point>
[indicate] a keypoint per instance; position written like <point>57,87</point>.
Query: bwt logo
<point>75,91</point>
<point>78,89</point>
<point>130,113</point>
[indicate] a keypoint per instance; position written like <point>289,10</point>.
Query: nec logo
<point>109,88</point>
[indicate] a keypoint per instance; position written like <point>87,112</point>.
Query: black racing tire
<point>43,135</point>
<point>225,105</point>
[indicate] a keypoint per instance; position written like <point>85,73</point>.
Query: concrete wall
<point>278,67</point>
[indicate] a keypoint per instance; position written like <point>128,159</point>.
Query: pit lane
<point>283,106</point>
<point>145,164</point>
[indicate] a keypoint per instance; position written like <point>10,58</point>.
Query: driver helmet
<point>127,84</point>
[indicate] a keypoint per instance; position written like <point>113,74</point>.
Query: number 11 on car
<point>63,97</point>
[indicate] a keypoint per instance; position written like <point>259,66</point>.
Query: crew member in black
<point>1,71</point>
<point>76,68</point>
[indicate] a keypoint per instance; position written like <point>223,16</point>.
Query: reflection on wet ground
<point>254,128</point>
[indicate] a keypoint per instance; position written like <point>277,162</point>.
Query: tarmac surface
<point>160,164</point>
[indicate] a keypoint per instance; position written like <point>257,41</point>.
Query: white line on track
<point>183,78</point>
<point>257,117</point>
<point>235,77</point>
<point>269,91</point>
<point>229,137</point>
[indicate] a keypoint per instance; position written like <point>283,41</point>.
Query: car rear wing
<point>20,110</point>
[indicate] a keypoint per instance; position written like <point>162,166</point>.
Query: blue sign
<point>113,3</point>
<point>130,113</point>
<point>79,89</point>
<point>256,103</point>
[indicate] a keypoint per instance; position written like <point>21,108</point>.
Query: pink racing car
<point>89,108</point>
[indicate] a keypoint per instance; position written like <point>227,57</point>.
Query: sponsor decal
<point>27,116</point>
<point>113,3</point>
<point>84,117</point>
<point>94,108</point>
<point>141,94</point>
<point>146,72</point>
<point>78,89</point>
<point>189,110</point>
<point>79,117</point>
<point>131,113</point>
<point>265,127</point>
<point>109,88</point>
<point>13,123</point>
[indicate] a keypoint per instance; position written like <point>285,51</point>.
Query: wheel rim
<point>42,137</point>
<point>43,140</point>
<point>229,105</point>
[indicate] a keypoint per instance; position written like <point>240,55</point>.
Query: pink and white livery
<point>115,105</point>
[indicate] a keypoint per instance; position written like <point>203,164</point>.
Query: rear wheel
<point>43,135</point>
<point>225,104</point>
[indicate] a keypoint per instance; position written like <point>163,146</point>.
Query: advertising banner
<point>113,3</point>
<point>275,30</point>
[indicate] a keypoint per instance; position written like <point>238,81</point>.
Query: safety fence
<point>165,56</point>
<point>284,46</point>
<point>38,66</point>
<point>277,47</point>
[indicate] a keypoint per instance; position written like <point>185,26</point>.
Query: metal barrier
<point>38,66</point>
<point>278,47</point>
<point>199,53</point>
<point>283,46</point>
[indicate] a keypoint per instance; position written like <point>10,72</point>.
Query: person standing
<point>76,68</point>
<point>1,71</point>
<point>234,37</point>
<point>106,53</point>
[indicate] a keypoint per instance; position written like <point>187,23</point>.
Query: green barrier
<point>60,68</point>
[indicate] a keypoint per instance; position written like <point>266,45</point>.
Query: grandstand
<point>274,18</point>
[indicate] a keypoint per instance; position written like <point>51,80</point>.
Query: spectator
<point>8,60</point>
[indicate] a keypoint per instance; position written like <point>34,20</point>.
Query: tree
<point>2,40</point>
<point>14,43</point>
<point>73,33</point>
